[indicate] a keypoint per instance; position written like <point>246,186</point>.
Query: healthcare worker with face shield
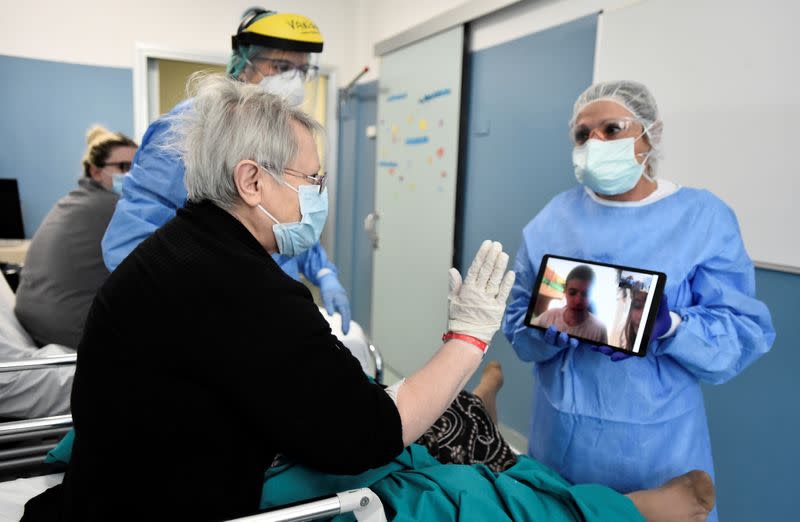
<point>630,422</point>
<point>276,51</point>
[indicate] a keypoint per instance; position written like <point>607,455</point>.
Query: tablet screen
<point>596,302</point>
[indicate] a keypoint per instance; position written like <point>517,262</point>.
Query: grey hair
<point>230,121</point>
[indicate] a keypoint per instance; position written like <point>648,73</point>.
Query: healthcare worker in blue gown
<point>631,422</point>
<point>276,51</point>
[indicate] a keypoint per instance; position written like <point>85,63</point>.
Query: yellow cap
<point>285,31</point>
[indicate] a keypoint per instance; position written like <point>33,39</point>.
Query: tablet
<point>598,303</point>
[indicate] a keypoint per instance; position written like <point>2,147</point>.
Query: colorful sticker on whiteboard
<point>397,97</point>
<point>435,94</point>
<point>423,124</point>
<point>440,151</point>
<point>419,140</point>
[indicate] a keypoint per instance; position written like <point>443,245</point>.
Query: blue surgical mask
<point>607,167</point>
<point>116,182</point>
<point>295,238</point>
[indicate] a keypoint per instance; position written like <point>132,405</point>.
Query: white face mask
<point>288,85</point>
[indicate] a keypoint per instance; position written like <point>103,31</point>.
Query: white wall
<point>382,19</point>
<point>711,91</point>
<point>95,32</point>
<point>533,16</point>
<point>104,33</point>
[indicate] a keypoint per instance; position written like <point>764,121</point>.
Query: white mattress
<point>15,493</point>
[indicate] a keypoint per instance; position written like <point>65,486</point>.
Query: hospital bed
<point>24,444</point>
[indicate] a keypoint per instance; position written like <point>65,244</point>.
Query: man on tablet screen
<point>575,318</point>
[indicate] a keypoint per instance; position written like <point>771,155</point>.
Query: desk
<point>14,251</point>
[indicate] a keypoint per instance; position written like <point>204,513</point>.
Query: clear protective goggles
<point>273,66</point>
<point>607,130</point>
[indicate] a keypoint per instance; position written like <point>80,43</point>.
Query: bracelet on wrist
<point>482,345</point>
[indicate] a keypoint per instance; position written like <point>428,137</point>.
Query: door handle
<point>371,228</point>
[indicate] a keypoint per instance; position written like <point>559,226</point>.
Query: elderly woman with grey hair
<point>201,359</point>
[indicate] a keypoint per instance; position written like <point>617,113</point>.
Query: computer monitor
<point>10,210</point>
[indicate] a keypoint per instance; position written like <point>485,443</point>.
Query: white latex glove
<point>477,304</point>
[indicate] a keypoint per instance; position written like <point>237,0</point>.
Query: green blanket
<point>415,486</point>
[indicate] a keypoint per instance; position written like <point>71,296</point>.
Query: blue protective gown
<point>154,191</point>
<point>637,423</point>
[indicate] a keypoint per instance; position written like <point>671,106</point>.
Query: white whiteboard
<point>419,118</point>
<point>725,75</point>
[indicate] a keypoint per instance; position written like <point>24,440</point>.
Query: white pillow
<point>11,331</point>
<point>355,340</point>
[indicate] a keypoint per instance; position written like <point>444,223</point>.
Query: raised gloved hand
<point>334,298</point>
<point>477,304</point>
<point>661,326</point>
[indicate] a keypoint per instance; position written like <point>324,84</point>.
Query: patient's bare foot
<point>687,498</point>
<point>490,383</point>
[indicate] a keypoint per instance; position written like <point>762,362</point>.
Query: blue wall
<point>755,418</point>
<point>45,110</point>
<point>518,156</point>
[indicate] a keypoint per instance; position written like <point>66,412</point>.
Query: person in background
<point>709,326</point>
<point>631,329</point>
<point>277,52</point>
<point>64,264</point>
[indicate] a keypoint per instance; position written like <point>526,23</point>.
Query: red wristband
<point>467,339</point>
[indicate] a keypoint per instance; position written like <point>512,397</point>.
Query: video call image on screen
<point>600,304</point>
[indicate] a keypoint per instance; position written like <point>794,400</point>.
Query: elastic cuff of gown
<point>676,322</point>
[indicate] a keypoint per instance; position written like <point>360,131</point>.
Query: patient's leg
<point>490,383</point>
<point>466,433</point>
<point>687,498</point>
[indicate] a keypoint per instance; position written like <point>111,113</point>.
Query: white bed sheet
<point>15,493</point>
